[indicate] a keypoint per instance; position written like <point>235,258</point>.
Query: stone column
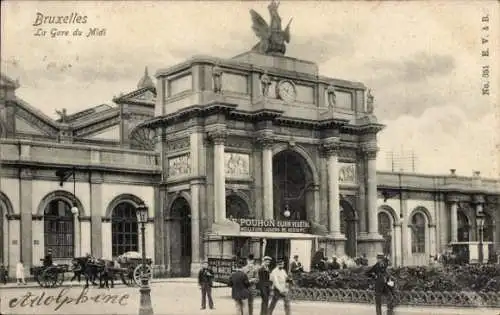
<point>371,190</point>
<point>266,141</point>
<point>26,208</point>
<point>332,148</point>
<point>85,236</point>
<point>454,221</point>
<point>196,141</point>
<point>218,138</point>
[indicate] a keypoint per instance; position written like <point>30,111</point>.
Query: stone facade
<point>201,150</point>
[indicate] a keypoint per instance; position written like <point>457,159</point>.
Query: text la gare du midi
<point>72,19</point>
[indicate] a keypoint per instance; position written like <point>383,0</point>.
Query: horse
<point>86,267</point>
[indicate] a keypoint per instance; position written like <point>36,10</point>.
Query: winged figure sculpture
<point>272,37</point>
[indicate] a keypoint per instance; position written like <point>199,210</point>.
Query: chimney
<point>452,172</point>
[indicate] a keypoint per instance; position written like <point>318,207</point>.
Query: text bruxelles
<point>34,300</point>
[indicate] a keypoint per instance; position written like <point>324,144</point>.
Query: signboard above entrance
<point>288,226</point>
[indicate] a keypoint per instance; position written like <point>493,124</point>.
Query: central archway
<point>180,237</point>
<point>292,179</point>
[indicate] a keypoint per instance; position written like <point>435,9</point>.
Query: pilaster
<point>14,224</point>
<point>26,206</point>
<point>218,137</point>
<point>160,199</point>
<point>96,213</point>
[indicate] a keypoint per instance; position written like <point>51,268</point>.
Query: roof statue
<point>272,37</point>
<point>145,81</point>
<point>63,116</point>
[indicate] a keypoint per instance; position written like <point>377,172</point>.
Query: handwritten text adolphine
<point>62,298</point>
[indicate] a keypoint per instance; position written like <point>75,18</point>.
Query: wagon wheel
<point>138,271</point>
<point>49,277</point>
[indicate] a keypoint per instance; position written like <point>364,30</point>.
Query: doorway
<point>278,249</point>
<point>179,227</point>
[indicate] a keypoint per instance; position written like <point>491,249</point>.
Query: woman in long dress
<point>20,273</point>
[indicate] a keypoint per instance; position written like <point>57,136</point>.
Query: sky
<point>421,59</point>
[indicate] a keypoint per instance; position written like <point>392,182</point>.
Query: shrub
<point>484,278</point>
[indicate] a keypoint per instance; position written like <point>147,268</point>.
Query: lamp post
<point>480,225</point>
<point>145,307</point>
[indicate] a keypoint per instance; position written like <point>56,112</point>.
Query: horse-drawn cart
<point>132,262</point>
<point>49,276</point>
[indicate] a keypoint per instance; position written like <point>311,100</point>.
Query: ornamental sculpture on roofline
<point>272,37</point>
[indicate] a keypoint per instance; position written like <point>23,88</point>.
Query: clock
<point>286,91</point>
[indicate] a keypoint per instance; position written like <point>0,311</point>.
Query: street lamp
<point>145,307</point>
<point>287,213</point>
<point>480,225</point>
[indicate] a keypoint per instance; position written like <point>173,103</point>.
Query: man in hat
<point>205,280</point>
<point>281,282</point>
<point>240,289</point>
<point>251,271</point>
<point>384,284</point>
<point>47,261</point>
<point>264,284</point>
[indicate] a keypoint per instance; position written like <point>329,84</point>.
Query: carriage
<point>49,276</point>
<point>132,263</point>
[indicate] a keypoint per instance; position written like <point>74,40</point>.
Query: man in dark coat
<point>205,280</point>
<point>384,285</point>
<point>47,261</point>
<point>240,289</point>
<point>251,270</point>
<point>264,284</point>
<point>296,267</point>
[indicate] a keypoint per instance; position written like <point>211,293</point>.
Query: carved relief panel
<point>237,164</point>
<point>347,173</point>
<point>179,165</point>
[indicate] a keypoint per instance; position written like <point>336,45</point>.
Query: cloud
<point>418,67</point>
<point>443,138</point>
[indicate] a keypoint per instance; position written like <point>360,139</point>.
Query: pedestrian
<point>384,285</point>
<point>47,261</point>
<point>281,283</point>
<point>264,284</point>
<point>205,281</point>
<point>20,273</point>
<point>296,267</point>
<point>240,289</point>
<point>3,274</point>
<point>251,270</point>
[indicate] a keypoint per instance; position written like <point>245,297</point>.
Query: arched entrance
<point>124,229</point>
<point>179,227</point>
<point>59,229</point>
<point>292,178</point>
<point>237,208</point>
<point>348,227</point>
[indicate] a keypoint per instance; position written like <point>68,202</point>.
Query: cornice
<point>125,98</point>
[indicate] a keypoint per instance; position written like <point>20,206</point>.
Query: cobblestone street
<point>172,298</point>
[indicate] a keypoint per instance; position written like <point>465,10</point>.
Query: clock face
<point>286,91</point>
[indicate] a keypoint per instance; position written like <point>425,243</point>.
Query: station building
<point>254,154</point>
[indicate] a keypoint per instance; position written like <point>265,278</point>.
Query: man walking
<point>264,284</point>
<point>205,279</point>
<point>252,273</point>
<point>384,285</point>
<point>240,290</point>
<point>280,281</point>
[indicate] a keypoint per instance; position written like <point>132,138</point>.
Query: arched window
<point>463,227</point>
<point>418,233</point>
<point>59,229</point>
<point>385,229</point>
<point>236,208</point>
<point>489,228</point>
<point>124,229</point>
